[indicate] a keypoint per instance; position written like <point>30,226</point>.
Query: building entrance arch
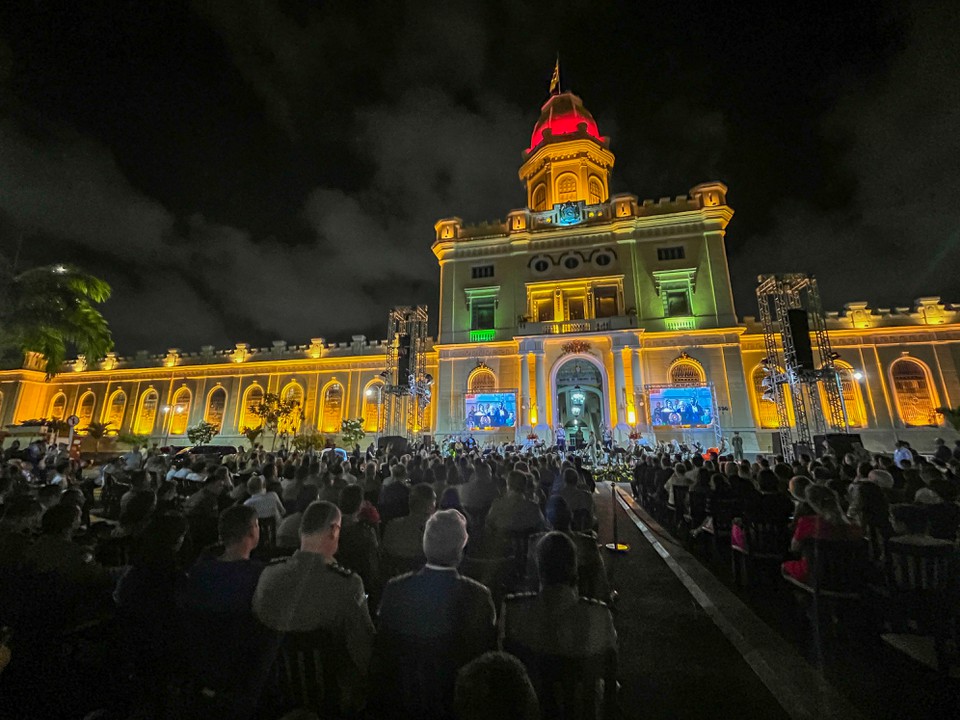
<point>580,404</point>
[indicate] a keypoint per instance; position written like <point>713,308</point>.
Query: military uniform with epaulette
<point>304,592</point>
<point>556,621</point>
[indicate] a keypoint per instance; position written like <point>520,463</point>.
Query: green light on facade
<point>482,335</point>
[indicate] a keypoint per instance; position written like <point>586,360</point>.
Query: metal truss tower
<point>406,384</point>
<point>777,296</point>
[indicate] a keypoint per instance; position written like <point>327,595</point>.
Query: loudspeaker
<point>403,359</point>
<point>777,444</point>
<point>799,323</point>
<point>398,441</point>
<point>840,444</point>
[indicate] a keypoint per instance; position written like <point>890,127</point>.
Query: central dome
<point>563,114</point>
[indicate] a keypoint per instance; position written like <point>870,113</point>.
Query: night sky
<point>251,171</point>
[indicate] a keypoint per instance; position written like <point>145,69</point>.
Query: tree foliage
<point>280,416</point>
<point>352,432</point>
<point>952,415</point>
<point>133,439</point>
<point>50,309</point>
<point>252,434</point>
<point>309,440</point>
<point>98,431</point>
<point>202,433</point>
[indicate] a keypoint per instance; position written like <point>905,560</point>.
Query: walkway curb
<point>799,688</point>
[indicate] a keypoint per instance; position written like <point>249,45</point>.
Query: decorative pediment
<point>666,278</point>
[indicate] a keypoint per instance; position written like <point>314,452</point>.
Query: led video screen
<point>677,406</point>
<point>489,411</point>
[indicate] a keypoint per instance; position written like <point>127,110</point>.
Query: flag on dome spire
<point>555,79</point>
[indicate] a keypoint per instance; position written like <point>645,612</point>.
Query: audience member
<point>495,685</point>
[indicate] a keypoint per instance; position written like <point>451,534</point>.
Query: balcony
<point>477,336</point>
<point>564,327</point>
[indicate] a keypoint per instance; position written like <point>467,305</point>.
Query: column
<point>620,386</point>
<point>524,392</point>
<point>541,372</point>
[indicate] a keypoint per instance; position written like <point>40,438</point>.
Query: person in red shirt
<point>827,523</point>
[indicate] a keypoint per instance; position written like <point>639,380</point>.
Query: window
<point>147,415</point>
<point>852,402</point>
<point>248,412</point>
<point>544,307</point>
<point>216,407</point>
<point>671,253</point>
<point>372,412</point>
<point>571,262</point>
<point>676,302</point>
<point>605,301</point>
<point>603,259</point>
<point>181,412</point>
<point>481,271</point>
<point>576,308</point>
<point>58,407</point>
<point>540,198</point>
<point>914,395</point>
<point>687,372</point>
<point>482,313</point>
<point>541,265</point>
<point>332,417</point>
<point>567,188</point>
<point>596,191</point>
<point>482,380</point>
<point>766,409</point>
<point>115,410</point>
<point>85,409</point>
<point>292,394</point>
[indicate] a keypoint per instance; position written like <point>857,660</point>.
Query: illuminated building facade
<point>579,303</point>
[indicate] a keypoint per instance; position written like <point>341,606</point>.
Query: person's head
<point>939,442</point>
<point>798,487</point>
<point>422,500</point>
<point>571,476</point>
<point>73,496</point>
<point>881,478</point>
<point>269,471</point>
<point>350,499</point>
<point>444,538</point>
<point>167,490</point>
<point>49,495</point>
<point>320,529</point>
<point>517,481</point>
<point>450,499</point>
<point>139,480</point>
<point>60,520</point>
<point>239,529</point>
<point>556,560</point>
<point>558,513</point>
<point>162,538</point>
<point>495,685</point>
<point>825,503</point>
<point>306,495</point>
<point>255,485</point>
<point>767,481</point>
<point>398,473</point>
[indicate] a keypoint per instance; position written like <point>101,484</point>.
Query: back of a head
<point>571,476</point>
<point>517,481</point>
<point>139,479</point>
<point>60,518</point>
<point>556,560</point>
<point>350,499</point>
<point>422,498</point>
<point>767,481</point>
<point>558,513</point>
<point>398,472</point>
<point>450,499</point>
<point>235,523</point>
<point>798,486</point>
<point>444,538</point>
<point>824,502</point>
<point>139,508</point>
<point>319,517</point>
<point>495,685</point>
<point>255,485</point>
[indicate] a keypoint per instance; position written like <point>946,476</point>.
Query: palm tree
<point>46,309</point>
<point>98,431</point>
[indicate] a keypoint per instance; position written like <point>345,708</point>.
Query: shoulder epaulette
<point>594,601</point>
<point>402,576</point>
<point>340,569</point>
<point>279,560</point>
<point>519,596</point>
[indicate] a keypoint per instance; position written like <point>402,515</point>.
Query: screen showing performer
<point>678,406</point>
<point>490,411</point>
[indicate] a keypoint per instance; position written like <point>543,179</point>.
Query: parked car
<point>208,451</point>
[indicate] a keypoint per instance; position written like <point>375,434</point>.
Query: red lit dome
<point>563,114</point>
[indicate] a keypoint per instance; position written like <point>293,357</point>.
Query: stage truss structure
<point>406,386</point>
<point>776,295</point>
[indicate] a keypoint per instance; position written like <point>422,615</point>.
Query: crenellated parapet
<point>926,311</point>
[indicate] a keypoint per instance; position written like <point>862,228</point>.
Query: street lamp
<point>166,427</point>
<point>379,406</point>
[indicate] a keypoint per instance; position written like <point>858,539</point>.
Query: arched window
<point>539,198</point>
<point>482,380</point>
<point>248,411</point>
<point>147,415</point>
<point>372,412</point>
<point>852,399</point>
<point>332,416</point>
<point>85,409</point>
<point>292,394</point>
<point>181,411</point>
<point>58,407</point>
<point>687,372</point>
<point>914,393</point>
<point>596,191</point>
<point>115,409</point>
<point>216,407</point>
<point>567,188</point>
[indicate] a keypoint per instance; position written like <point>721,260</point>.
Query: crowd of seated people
<point>152,588</point>
<point>880,506</point>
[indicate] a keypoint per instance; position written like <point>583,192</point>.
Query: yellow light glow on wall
<point>631,417</point>
<point>533,416</point>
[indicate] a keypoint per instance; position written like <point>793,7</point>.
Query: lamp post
<point>379,408</point>
<point>166,426</point>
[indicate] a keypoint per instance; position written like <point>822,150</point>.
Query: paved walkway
<point>688,647</point>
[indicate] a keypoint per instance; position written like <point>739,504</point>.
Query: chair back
<point>767,539</point>
<point>268,532</point>
<point>418,675</point>
<point>309,667</point>
<point>835,566</point>
<point>723,511</point>
<point>924,568</point>
<point>572,688</point>
<point>698,506</point>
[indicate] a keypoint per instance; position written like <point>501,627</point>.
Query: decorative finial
<point>555,79</point>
